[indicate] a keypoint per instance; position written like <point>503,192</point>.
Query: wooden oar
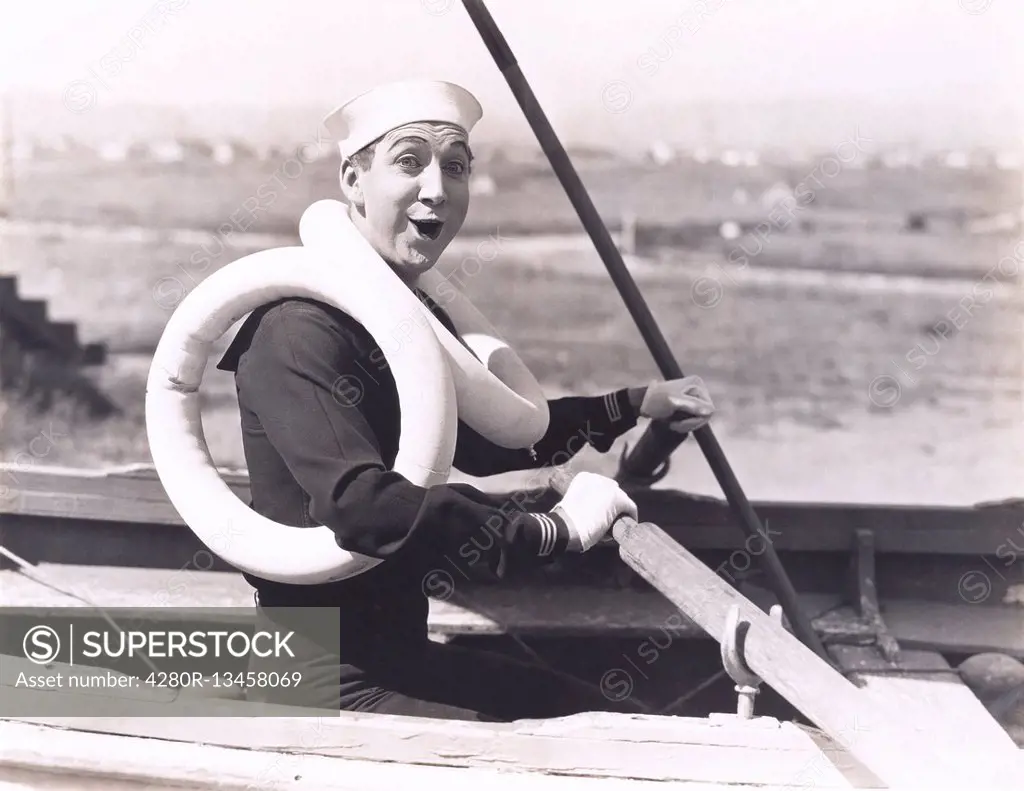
<point>880,732</point>
<point>659,442</point>
<point>886,734</point>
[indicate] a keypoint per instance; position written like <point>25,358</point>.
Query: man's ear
<point>351,188</point>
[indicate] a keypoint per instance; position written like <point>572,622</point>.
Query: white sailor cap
<point>370,115</point>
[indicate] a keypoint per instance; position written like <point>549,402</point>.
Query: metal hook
<point>747,682</point>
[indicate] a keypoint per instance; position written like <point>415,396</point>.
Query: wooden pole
<point>880,731</point>
<point>661,439</point>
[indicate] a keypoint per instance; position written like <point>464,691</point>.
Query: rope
<point>31,572</point>
<point>693,691</point>
<point>530,652</point>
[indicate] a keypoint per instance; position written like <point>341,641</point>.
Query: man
<point>314,458</point>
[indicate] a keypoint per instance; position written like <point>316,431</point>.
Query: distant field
<point>526,199</point>
<point>770,349</point>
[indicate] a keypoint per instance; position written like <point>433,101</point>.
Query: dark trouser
<point>421,678</point>
<point>452,682</point>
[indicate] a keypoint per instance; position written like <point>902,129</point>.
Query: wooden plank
<point>725,749</point>
<point>125,588</point>
<point>112,486</point>
<point>54,759</point>
<point>973,629</point>
<point>534,610</point>
<point>484,610</point>
<point>231,475</point>
<point>698,522</point>
<point>900,750</point>
<point>926,679</point>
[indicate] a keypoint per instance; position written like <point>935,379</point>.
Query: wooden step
<point>35,330</point>
<point>34,311</point>
<point>93,354</point>
<point>8,289</point>
<point>65,334</point>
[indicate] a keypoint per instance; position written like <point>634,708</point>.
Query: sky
<point>596,66</point>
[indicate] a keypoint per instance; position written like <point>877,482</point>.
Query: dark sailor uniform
<point>320,453</point>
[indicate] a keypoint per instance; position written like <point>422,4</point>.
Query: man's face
<point>413,198</point>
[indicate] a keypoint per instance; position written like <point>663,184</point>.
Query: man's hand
<point>590,507</point>
<point>683,403</point>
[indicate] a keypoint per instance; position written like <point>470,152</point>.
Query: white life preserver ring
<point>435,386</point>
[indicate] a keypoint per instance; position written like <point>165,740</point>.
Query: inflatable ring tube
<point>242,537</point>
<point>497,395</point>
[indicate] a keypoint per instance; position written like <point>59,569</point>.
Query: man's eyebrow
<point>423,141</point>
<point>407,139</point>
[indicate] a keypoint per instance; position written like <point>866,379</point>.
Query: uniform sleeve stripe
<point>543,532</point>
<point>611,406</point>
<point>548,543</point>
<point>549,534</point>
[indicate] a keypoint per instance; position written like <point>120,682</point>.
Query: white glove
<point>590,507</point>
<point>684,403</point>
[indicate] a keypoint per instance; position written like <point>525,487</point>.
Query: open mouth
<point>430,229</point>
